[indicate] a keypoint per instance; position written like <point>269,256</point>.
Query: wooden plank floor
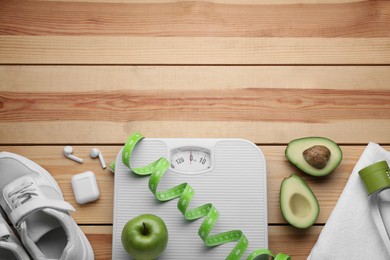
<point>90,72</point>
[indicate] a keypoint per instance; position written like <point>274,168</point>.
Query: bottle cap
<point>376,176</point>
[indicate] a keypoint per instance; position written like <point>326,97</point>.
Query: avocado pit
<point>317,156</point>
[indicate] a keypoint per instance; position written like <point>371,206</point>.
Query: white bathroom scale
<point>229,173</point>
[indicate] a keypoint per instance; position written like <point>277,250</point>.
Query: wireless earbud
<point>68,150</point>
<point>96,153</point>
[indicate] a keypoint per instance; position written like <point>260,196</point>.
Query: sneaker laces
<point>22,193</point>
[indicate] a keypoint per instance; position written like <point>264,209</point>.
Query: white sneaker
<point>10,246</point>
<point>34,203</point>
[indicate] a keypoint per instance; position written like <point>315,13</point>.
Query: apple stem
<point>144,232</point>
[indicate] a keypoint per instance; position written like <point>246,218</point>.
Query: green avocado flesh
<point>298,203</point>
<point>295,154</point>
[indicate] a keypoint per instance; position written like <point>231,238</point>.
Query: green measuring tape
<point>185,192</point>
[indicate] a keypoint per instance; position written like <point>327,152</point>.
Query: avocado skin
<point>316,204</point>
<point>334,162</point>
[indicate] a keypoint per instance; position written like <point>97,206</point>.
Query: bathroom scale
<point>229,173</point>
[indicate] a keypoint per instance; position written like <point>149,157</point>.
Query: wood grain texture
<point>105,132</point>
<point>51,158</point>
<point>361,19</point>
<point>232,2</point>
<point>192,50</point>
<point>100,238</point>
<point>247,104</point>
<point>295,243</point>
<point>281,239</point>
<point>346,103</point>
<point>81,79</point>
<point>71,72</point>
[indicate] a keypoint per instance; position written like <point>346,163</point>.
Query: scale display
<point>228,173</point>
<point>191,159</point>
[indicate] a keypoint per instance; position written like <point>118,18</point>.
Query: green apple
<point>145,237</point>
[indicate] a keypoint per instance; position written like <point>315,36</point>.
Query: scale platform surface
<point>229,173</point>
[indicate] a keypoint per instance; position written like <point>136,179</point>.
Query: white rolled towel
<point>350,232</point>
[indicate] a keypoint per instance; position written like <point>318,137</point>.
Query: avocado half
<point>298,203</point>
<point>295,149</point>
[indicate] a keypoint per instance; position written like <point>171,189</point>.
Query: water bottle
<point>376,178</point>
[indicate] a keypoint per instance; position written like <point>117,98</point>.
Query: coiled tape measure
<point>191,160</point>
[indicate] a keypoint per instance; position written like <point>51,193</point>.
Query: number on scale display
<point>190,159</point>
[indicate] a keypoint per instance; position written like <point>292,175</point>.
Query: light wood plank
<point>95,105</point>
<point>106,132</point>
<point>84,79</point>
<point>236,2</point>
<point>326,189</point>
<point>192,50</point>
<point>115,100</point>
<point>195,19</point>
<point>100,238</point>
<point>248,104</point>
<point>296,243</point>
<point>349,104</point>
